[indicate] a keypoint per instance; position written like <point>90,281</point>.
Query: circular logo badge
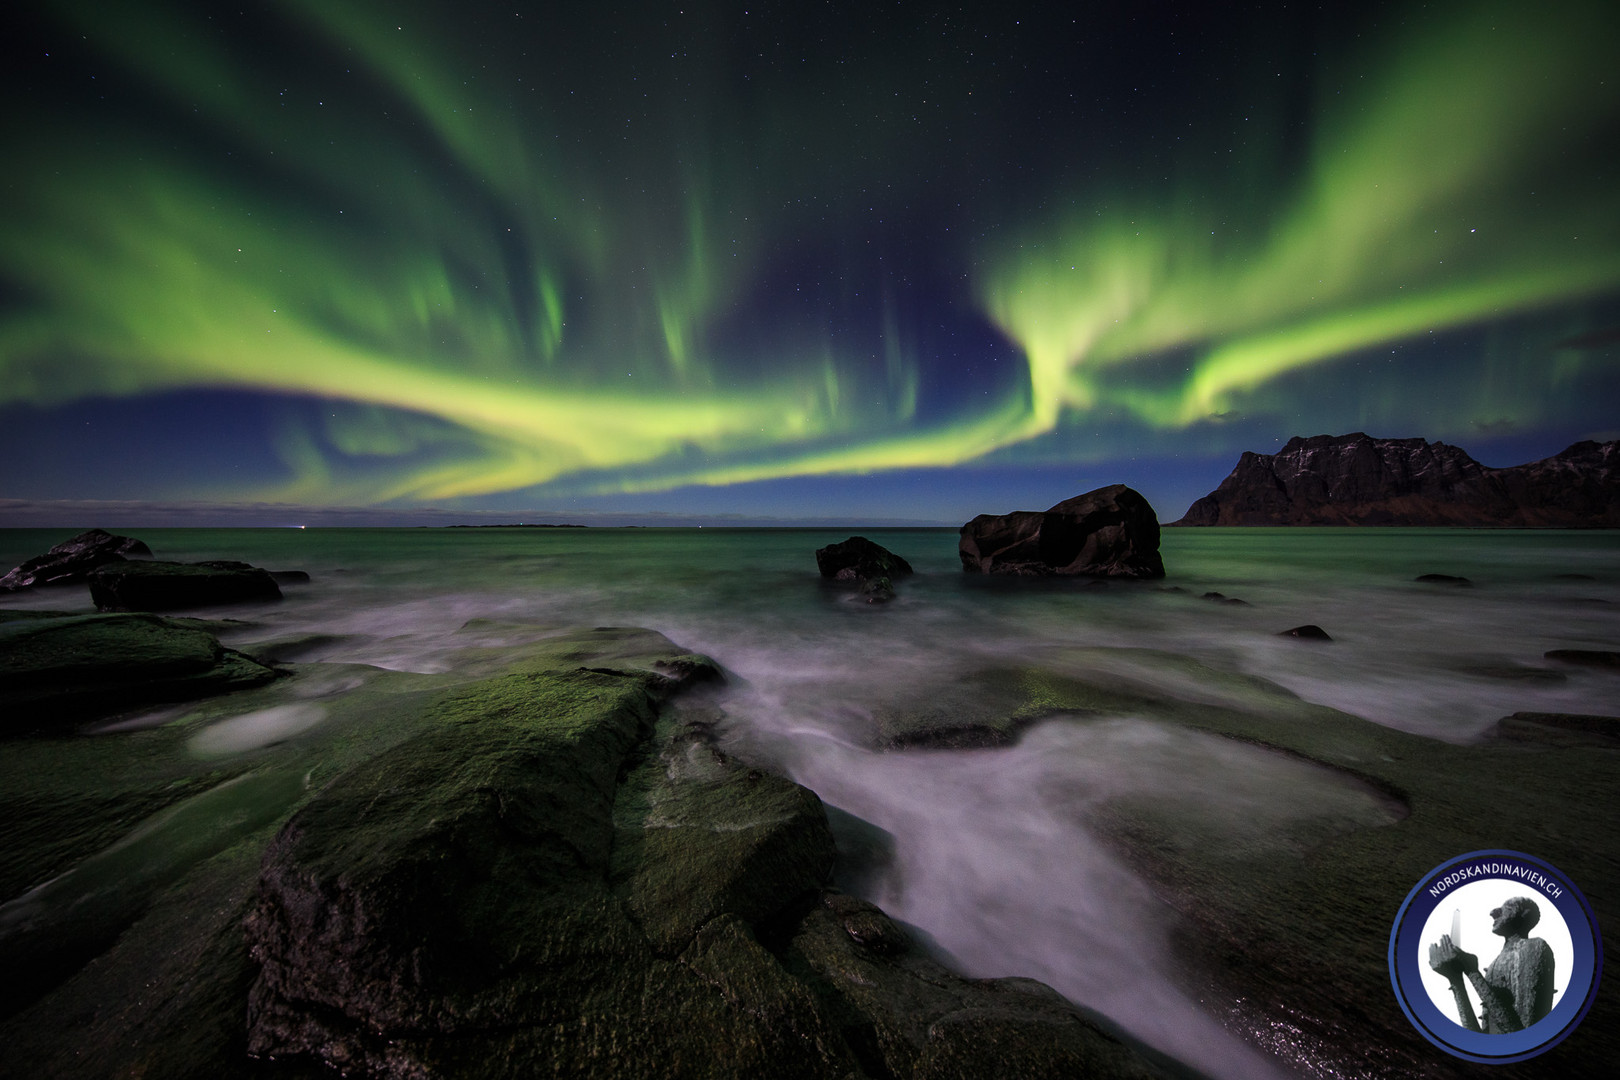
<point>1495,956</point>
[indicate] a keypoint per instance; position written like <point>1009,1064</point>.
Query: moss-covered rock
<point>59,668</point>
<point>548,871</point>
<point>552,879</point>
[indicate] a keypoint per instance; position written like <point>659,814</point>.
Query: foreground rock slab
<point>57,668</point>
<point>72,560</point>
<point>556,878</point>
<point>168,586</point>
<point>1109,532</point>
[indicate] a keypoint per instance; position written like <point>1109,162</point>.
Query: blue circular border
<point>1406,957</point>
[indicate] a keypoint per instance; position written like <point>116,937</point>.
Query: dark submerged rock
<point>72,560</point>
<point>1109,532</point>
<point>165,586</point>
<point>1222,598</point>
<point>1358,480</point>
<point>1560,729</point>
<point>1308,632</point>
<point>1600,658</point>
<point>57,668</point>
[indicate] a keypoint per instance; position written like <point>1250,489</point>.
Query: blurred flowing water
<point>993,855</point>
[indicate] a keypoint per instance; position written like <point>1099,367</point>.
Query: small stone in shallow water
<point>1308,632</point>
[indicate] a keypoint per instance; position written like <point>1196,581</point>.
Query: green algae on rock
<point>62,668</point>
<point>555,878</point>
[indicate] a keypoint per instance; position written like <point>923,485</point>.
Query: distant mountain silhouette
<point>1358,480</point>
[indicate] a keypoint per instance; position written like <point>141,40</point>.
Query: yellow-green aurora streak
<point>1430,198</point>
<point>1417,214</point>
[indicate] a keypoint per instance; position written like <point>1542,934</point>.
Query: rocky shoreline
<point>553,871</point>
<point>550,866</point>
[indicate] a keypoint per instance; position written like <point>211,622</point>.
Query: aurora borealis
<point>837,260</point>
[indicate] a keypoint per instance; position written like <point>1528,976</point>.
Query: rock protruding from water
<point>58,668</point>
<point>1109,532</point>
<point>1308,632</point>
<point>1358,480</point>
<point>861,562</point>
<point>1443,579</point>
<point>72,560</point>
<point>167,586</point>
<point>554,879</point>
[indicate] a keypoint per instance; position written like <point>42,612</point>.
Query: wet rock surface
<point>1109,532</point>
<point>167,586</point>
<point>72,560</point>
<point>1560,729</point>
<point>58,668</point>
<point>1357,480</point>
<point>869,566</point>
<point>1598,658</point>
<point>1307,632</point>
<point>550,871</point>
<point>1262,916</point>
<point>551,881</point>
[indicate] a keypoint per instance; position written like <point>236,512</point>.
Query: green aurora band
<point>498,295</point>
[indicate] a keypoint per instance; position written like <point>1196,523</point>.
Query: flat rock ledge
<point>57,667</point>
<point>167,586</point>
<point>557,878</point>
<point>1111,532</point>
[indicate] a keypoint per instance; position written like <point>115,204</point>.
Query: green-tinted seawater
<point>1003,857</point>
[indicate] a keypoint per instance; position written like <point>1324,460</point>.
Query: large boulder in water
<point>857,558</point>
<point>72,560</point>
<point>166,586</point>
<point>862,562</point>
<point>1109,532</point>
<point>58,667</point>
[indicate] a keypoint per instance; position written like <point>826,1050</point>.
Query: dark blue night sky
<point>786,261</point>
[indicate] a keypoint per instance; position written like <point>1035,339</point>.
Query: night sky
<point>791,260</point>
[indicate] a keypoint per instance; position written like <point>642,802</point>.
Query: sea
<point>993,859</point>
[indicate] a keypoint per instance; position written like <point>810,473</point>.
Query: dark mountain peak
<point>1356,479</point>
<point>1589,453</point>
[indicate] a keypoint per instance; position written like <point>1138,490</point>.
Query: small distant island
<point>1358,480</point>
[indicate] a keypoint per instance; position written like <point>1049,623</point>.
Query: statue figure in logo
<point>1516,989</point>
